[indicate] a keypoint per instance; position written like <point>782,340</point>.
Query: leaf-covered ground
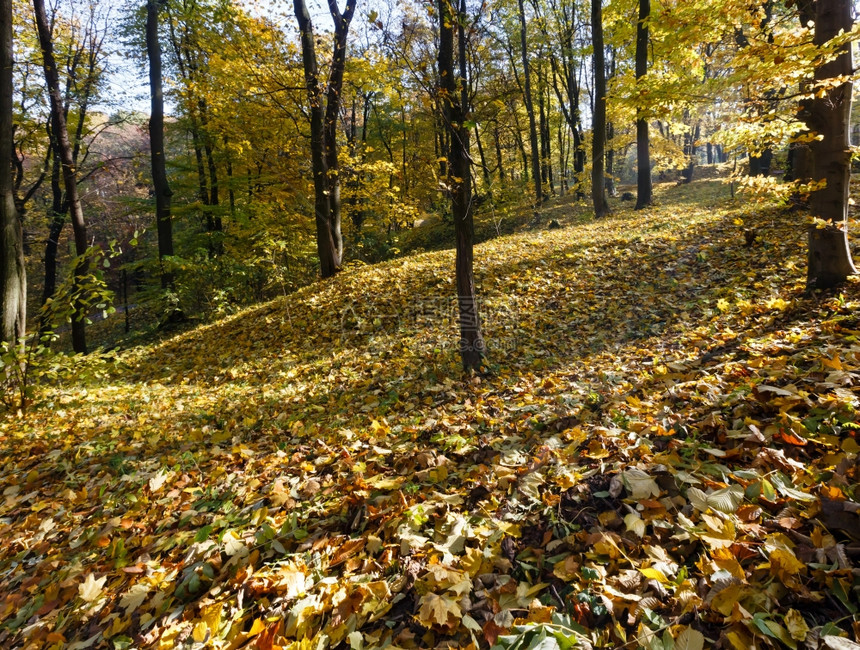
<point>663,454</point>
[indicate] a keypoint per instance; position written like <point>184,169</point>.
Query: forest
<point>510,324</point>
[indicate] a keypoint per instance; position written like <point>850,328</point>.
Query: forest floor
<point>662,453</point>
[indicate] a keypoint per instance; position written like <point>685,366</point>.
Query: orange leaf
<point>790,438</point>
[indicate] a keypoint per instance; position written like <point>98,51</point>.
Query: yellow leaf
<point>725,600</point>
<point>833,362</point>
<point>783,563</point>
<point>797,627</point>
<point>134,597</point>
<point>436,609</point>
<point>211,615</point>
<point>200,632</point>
<point>90,589</point>
<point>690,639</point>
<point>258,626</point>
<point>654,574</point>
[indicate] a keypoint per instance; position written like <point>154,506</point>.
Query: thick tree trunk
<point>644,186</point>
<point>530,111</point>
<point>455,117</point>
<point>58,116</point>
<point>829,258</point>
<point>163,194</point>
<point>13,275</point>
<point>598,140</point>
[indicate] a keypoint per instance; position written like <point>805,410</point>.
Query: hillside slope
<point>664,447</point>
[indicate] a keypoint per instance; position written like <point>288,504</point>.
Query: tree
<point>598,137</point>
<point>13,275</point>
<point>164,224</point>
<point>454,102</point>
<point>829,258</point>
<point>63,150</point>
<point>643,146</point>
<point>324,122</point>
<point>530,111</point>
<point>188,24</point>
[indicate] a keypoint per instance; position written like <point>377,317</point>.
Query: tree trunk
<point>527,98</point>
<point>163,194</point>
<point>323,131</point>
<point>829,258</point>
<point>499,160</point>
<point>455,117</point>
<point>58,221</point>
<point>644,186</point>
<point>58,117</point>
<point>484,168</point>
<point>335,86</point>
<point>13,275</point>
<point>598,140</point>
<point>799,153</point>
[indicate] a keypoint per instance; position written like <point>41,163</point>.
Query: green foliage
<point>560,633</point>
<point>30,363</point>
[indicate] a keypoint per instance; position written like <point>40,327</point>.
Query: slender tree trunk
<point>13,275</point>
<point>52,80</point>
<point>486,170</point>
<point>610,160</point>
<point>544,106</point>
<point>163,194</point>
<point>455,117</point>
<point>527,98</point>
<point>644,187</point>
<point>499,160</point>
<point>829,259</point>
<point>231,192</point>
<point>562,158</point>
<point>598,140</point>
<point>58,221</point>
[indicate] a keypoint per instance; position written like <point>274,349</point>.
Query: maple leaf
<point>91,588</point>
<point>134,597</point>
<point>437,609</point>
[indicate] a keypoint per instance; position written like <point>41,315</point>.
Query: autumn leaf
<point>91,588</point>
<point>437,609</point>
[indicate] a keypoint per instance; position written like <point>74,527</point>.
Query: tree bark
<point>799,153</point>
<point>499,160</point>
<point>598,139</point>
<point>163,194</point>
<point>335,87</point>
<point>69,169</point>
<point>324,131</point>
<point>459,180</point>
<point>484,168</point>
<point>829,257</point>
<point>527,98</point>
<point>13,275</point>
<point>644,186</point>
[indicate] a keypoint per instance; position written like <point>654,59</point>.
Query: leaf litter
<point>663,454</point>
